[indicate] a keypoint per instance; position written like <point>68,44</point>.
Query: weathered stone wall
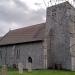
<point>57,31</point>
<point>72,36</point>
<point>19,53</point>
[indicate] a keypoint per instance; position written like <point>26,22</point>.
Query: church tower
<point>57,36</point>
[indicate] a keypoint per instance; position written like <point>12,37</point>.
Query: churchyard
<point>19,71</point>
<point>40,72</point>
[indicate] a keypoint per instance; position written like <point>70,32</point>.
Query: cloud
<point>4,27</point>
<point>18,13</point>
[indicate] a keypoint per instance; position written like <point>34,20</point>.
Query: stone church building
<point>49,45</point>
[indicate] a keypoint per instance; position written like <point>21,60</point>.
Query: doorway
<point>29,59</point>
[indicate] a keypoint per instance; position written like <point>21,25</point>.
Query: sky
<point>21,13</point>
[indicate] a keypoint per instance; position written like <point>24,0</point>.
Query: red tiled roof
<point>26,34</point>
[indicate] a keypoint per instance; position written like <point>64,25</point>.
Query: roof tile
<point>26,34</point>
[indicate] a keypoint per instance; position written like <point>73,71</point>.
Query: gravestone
<point>29,67</point>
<point>20,68</point>
<point>4,70</point>
<point>29,64</point>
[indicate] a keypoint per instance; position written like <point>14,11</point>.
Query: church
<point>49,45</point>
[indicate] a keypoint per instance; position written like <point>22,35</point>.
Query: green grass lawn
<point>43,72</point>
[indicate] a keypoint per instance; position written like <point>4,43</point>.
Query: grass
<point>42,72</point>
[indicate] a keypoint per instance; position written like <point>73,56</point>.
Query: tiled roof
<point>26,34</point>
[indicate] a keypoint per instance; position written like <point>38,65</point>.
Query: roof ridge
<point>28,26</point>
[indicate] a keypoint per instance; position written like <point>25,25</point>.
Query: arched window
<point>17,53</point>
<point>1,55</point>
<point>29,59</point>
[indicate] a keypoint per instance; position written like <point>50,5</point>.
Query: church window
<point>18,53</point>
<point>1,54</point>
<point>13,48</point>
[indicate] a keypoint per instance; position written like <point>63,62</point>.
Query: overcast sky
<point>20,13</point>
